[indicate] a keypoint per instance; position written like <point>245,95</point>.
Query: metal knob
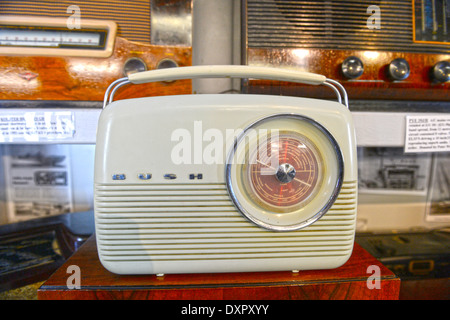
<point>166,63</point>
<point>133,65</point>
<point>399,69</point>
<point>352,67</point>
<point>285,173</point>
<point>441,71</point>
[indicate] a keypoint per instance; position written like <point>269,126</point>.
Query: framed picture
<point>389,171</point>
<point>37,181</point>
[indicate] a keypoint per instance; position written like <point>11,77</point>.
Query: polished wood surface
<point>86,79</point>
<point>347,282</point>
<point>373,84</point>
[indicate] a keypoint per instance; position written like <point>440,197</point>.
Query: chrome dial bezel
<point>336,185</point>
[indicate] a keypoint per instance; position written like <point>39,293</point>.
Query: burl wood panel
<point>346,282</point>
<point>373,84</point>
<point>86,79</point>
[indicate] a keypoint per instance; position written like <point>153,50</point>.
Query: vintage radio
<point>224,182</point>
<point>72,51</point>
<point>391,50</point>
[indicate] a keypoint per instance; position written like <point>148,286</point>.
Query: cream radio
<point>224,183</point>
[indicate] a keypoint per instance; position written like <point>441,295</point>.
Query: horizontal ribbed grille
<point>333,25</point>
<point>132,17</point>
<point>199,222</point>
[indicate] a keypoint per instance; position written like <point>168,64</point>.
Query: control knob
<point>398,69</point>
<point>352,67</point>
<point>441,72</point>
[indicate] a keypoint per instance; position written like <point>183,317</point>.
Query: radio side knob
<point>352,67</point>
<point>134,65</point>
<point>166,63</point>
<point>399,69</point>
<point>441,72</point>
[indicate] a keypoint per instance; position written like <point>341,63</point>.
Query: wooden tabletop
<point>347,282</point>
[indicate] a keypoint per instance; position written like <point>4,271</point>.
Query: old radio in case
<point>66,54</point>
<point>224,182</point>
<point>380,50</point>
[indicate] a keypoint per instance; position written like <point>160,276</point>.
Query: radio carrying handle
<point>225,71</point>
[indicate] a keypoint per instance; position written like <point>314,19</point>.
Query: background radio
<point>61,51</point>
<point>391,50</point>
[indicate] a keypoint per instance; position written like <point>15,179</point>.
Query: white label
<point>36,126</point>
<point>427,133</point>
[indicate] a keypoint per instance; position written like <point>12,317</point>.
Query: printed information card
<point>427,133</point>
<point>36,126</point>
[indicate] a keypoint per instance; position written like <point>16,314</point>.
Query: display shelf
<point>349,281</point>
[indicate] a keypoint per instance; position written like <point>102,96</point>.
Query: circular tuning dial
<point>352,67</point>
<point>441,71</point>
<point>398,69</point>
<point>284,172</point>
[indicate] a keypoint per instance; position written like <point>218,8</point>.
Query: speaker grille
<point>333,25</point>
<point>132,17</point>
<point>199,222</point>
